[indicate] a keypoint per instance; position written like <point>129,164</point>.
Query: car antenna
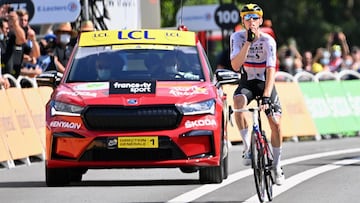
<point>181,26</point>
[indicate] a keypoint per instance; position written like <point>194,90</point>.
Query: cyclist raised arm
<point>253,53</point>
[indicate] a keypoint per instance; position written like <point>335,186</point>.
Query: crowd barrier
<point>22,124</point>
<point>314,106</point>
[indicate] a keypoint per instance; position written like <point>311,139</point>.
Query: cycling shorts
<point>255,88</point>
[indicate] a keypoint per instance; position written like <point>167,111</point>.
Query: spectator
<point>355,53</point>
<point>336,58</point>
<point>4,82</point>
<point>287,55</point>
<point>347,63</point>
<point>298,65</point>
<point>267,28</point>
<point>87,26</point>
<point>338,47</point>
<point>63,47</point>
<point>307,60</point>
<point>321,60</point>
<point>340,39</point>
<point>46,60</point>
<point>31,47</point>
<point>11,44</point>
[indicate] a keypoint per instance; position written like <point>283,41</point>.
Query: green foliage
<point>308,21</point>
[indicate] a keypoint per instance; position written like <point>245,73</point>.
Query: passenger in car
<point>107,66</point>
<point>153,65</point>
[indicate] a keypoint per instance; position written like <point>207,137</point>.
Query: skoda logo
<point>132,101</point>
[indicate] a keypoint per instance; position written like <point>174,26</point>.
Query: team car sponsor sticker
<point>200,123</point>
<point>65,124</point>
<point>86,94</point>
<point>138,142</point>
<point>187,91</point>
<point>132,87</point>
<point>92,86</point>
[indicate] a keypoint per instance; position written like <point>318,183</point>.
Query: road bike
<point>261,154</point>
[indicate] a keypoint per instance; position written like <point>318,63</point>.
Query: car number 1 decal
<point>138,142</point>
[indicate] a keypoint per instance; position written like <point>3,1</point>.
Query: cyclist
<point>253,54</point>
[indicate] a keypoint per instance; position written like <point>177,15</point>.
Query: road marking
<point>205,189</point>
<point>301,177</point>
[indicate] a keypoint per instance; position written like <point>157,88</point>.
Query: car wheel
<point>76,174</point>
<point>57,177</point>
<point>215,174</point>
<point>189,169</point>
<point>211,174</point>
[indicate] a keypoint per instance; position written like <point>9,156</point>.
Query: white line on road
<point>301,177</point>
<point>205,189</point>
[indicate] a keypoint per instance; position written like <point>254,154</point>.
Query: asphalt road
<point>322,171</point>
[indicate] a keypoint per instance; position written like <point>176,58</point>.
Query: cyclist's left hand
<point>265,103</point>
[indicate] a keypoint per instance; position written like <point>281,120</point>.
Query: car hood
<point>134,93</point>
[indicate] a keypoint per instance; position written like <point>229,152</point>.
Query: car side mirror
<point>224,76</point>
<point>49,78</point>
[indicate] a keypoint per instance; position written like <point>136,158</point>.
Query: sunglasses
<point>251,15</point>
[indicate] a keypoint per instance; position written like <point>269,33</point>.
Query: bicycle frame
<point>261,155</point>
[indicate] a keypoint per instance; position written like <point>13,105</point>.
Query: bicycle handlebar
<point>252,109</point>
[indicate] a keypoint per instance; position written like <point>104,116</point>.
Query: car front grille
<point>110,118</point>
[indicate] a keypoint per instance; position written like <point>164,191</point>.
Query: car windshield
<point>135,62</point>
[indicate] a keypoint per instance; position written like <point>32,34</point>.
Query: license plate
<point>138,142</point>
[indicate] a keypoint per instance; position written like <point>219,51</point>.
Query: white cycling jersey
<point>262,54</point>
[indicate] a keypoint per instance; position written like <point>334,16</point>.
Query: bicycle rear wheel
<point>258,165</point>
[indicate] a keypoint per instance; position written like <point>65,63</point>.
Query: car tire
<point>75,175</point>
<point>211,174</point>
<point>57,177</point>
<point>216,174</point>
<point>189,169</point>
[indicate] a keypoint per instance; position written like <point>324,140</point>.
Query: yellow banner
<point>110,37</point>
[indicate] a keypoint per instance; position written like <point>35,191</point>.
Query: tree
<point>308,21</point>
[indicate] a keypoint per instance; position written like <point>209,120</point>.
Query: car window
<point>164,63</point>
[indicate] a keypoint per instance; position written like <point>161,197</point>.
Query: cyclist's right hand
<point>250,35</point>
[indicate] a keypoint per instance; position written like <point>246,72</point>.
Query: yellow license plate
<point>138,142</point>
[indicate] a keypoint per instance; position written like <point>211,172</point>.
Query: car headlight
<point>205,107</point>
<point>61,108</point>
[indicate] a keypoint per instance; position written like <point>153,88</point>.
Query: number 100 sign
<point>227,16</point>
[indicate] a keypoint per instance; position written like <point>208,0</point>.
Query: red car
<point>137,99</point>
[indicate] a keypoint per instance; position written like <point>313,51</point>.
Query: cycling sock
<point>277,156</point>
<point>246,138</point>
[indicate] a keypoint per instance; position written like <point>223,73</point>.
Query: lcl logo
<point>172,36</point>
<point>100,36</point>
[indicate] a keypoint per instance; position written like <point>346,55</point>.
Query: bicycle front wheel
<point>258,165</point>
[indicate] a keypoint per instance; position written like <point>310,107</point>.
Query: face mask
<point>348,62</point>
<point>336,54</point>
<point>65,38</point>
<point>288,62</point>
<point>326,54</point>
<point>2,36</point>
<point>325,61</point>
<point>103,74</point>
